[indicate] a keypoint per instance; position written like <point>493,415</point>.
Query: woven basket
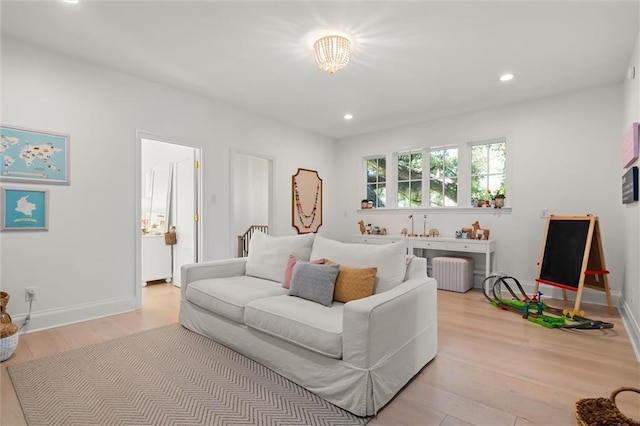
<point>8,346</point>
<point>603,411</point>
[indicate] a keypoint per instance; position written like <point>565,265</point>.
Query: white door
<point>186,221</point>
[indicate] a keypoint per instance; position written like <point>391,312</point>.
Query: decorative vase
<point>5,318</point>
<point>498,203</point>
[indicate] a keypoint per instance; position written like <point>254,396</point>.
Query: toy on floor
<point>534,309</point>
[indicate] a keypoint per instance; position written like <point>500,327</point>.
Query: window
<point>448,176</point>
<point>443,177</point>
<point>410,179</point>
<point>377,181</point>
<point>488,169</point>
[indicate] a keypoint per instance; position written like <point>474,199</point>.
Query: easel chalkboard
<point>572,257</point>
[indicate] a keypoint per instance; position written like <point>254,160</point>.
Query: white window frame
<point>490,141</point>
<point>464,175</point>
<point>366,180</point>
<point>396,181</point>
<point>429,151</point>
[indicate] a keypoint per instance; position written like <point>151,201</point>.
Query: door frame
<point>141,134</point>
<point>232,152</point>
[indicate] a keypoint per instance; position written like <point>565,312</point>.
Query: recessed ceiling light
<point>348,117</point>
<point>506,77</point>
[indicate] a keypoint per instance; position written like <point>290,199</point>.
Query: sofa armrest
<point>376,327</point>
<point>212,269</point>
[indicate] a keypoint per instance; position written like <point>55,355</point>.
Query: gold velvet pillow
<point>353,283</point>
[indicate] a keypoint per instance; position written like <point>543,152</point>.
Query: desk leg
<point>487,264</point>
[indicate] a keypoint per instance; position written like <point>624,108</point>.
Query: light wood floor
<point>492,367</point>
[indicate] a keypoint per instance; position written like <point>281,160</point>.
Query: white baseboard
<point>588,295</point>
<point>42,320</point>
<point>632,326</point>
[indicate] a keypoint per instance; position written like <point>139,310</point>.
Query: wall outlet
<point>30,293</point>
<point>544,213</point>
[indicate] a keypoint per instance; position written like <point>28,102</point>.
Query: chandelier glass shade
<point>332,52</point>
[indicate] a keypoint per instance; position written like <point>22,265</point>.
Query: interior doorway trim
<point>137,243</point>
<point>232,195</point>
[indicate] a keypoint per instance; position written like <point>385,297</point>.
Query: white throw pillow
<point>268,255</point>
<point>388,258</point>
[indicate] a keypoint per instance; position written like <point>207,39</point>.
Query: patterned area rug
<point>165,376</point>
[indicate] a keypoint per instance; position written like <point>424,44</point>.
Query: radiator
<point>453,273</point>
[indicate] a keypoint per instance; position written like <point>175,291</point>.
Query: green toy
<point>534,309</point>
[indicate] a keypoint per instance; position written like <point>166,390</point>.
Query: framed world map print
<point>24,209</point>
<point>33,156</point>
<point>306,203</point>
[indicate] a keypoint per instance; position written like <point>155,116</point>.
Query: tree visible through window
<point>488,169</point>
<point>443,177</point>
<point>377,181</point>
<point>410,179</point>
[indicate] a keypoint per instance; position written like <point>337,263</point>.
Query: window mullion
<point>464,177</point>
<point>392,180</point>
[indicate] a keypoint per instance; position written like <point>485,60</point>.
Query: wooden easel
<point>572,257</point>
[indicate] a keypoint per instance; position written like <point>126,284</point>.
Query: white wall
<point>84,266</point>
<point>565,154</point>
<point>631,212</point>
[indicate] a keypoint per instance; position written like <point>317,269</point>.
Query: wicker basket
<point>8,346</point>
<point>603,411</point>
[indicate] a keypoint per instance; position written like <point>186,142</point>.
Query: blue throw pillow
<point>314,282</point>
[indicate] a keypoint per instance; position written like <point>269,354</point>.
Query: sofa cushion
<point>299,321</point>
<point>314,282</point>
<point>228,296</point>
<point>288,273</point>
<point>268,255</point>
<point>388,258</point>
<point>354,283</point>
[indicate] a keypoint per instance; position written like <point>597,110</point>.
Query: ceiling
<point>413,61</point>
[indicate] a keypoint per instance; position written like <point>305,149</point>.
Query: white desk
<point>458,245</point>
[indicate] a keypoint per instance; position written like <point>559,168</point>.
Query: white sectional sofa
<point>358,354</point>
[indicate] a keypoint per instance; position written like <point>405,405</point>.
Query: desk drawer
<point>467,246</point>
<point>374,240</point>
<point>430,245</point>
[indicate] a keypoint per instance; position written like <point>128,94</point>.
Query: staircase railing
<point>244,239</point>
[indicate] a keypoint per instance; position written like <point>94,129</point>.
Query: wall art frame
<point>33,156</point>
<point>24,209</point>
<point>306,201</point>
<point>631,145</point>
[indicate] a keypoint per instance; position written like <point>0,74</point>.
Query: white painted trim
<point>436,210</point>
<point>594,297</point>
<point>632,326</point>
<point>51,318</point>
<point>144,134</point>
<point>270,208</point>
<point>137,231</point>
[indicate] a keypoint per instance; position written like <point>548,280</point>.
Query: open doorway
<point>251,193</point>
<point>169,200</point>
